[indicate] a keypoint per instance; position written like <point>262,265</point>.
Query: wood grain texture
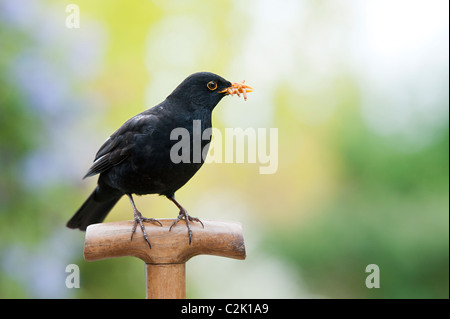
<point>166,281</point>
<point>219,238</point>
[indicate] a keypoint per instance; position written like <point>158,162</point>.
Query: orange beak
<point>238,88</point>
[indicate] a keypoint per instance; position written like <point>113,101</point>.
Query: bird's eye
<point>212,85</point>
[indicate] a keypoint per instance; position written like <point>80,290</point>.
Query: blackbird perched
<point>136,159</point>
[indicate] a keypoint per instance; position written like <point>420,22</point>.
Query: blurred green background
<point>359,92</point>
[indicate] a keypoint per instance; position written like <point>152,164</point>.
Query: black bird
<point>136,159</point>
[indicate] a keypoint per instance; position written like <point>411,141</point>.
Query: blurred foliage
<point>346,193</point>
<point>391,209</point>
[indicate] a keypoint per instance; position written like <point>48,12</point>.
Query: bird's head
<point>206,89</point>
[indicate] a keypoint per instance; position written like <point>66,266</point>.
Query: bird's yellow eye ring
<point>212,85</point>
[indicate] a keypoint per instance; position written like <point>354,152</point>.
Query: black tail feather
<point>91,212</point>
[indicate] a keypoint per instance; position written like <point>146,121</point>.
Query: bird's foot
<point>139,219</point>
<point>184,215</point>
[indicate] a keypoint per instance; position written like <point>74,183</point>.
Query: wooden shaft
<point>166,281</point>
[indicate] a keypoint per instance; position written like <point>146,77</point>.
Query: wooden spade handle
<point>165,261</point>
<point>165,281</point>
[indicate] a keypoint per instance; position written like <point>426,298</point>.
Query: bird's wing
<point>118,146</point>
<point>112,152</point>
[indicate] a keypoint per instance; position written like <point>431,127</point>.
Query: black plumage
<point>136,158</point>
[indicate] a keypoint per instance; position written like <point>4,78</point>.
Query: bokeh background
<point>359,92</point>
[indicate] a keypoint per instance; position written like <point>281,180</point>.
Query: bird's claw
<point>138,219</point>
<point>184,215</point>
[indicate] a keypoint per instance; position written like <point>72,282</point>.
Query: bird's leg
<point>138,218</point>
<point>184,215</point>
